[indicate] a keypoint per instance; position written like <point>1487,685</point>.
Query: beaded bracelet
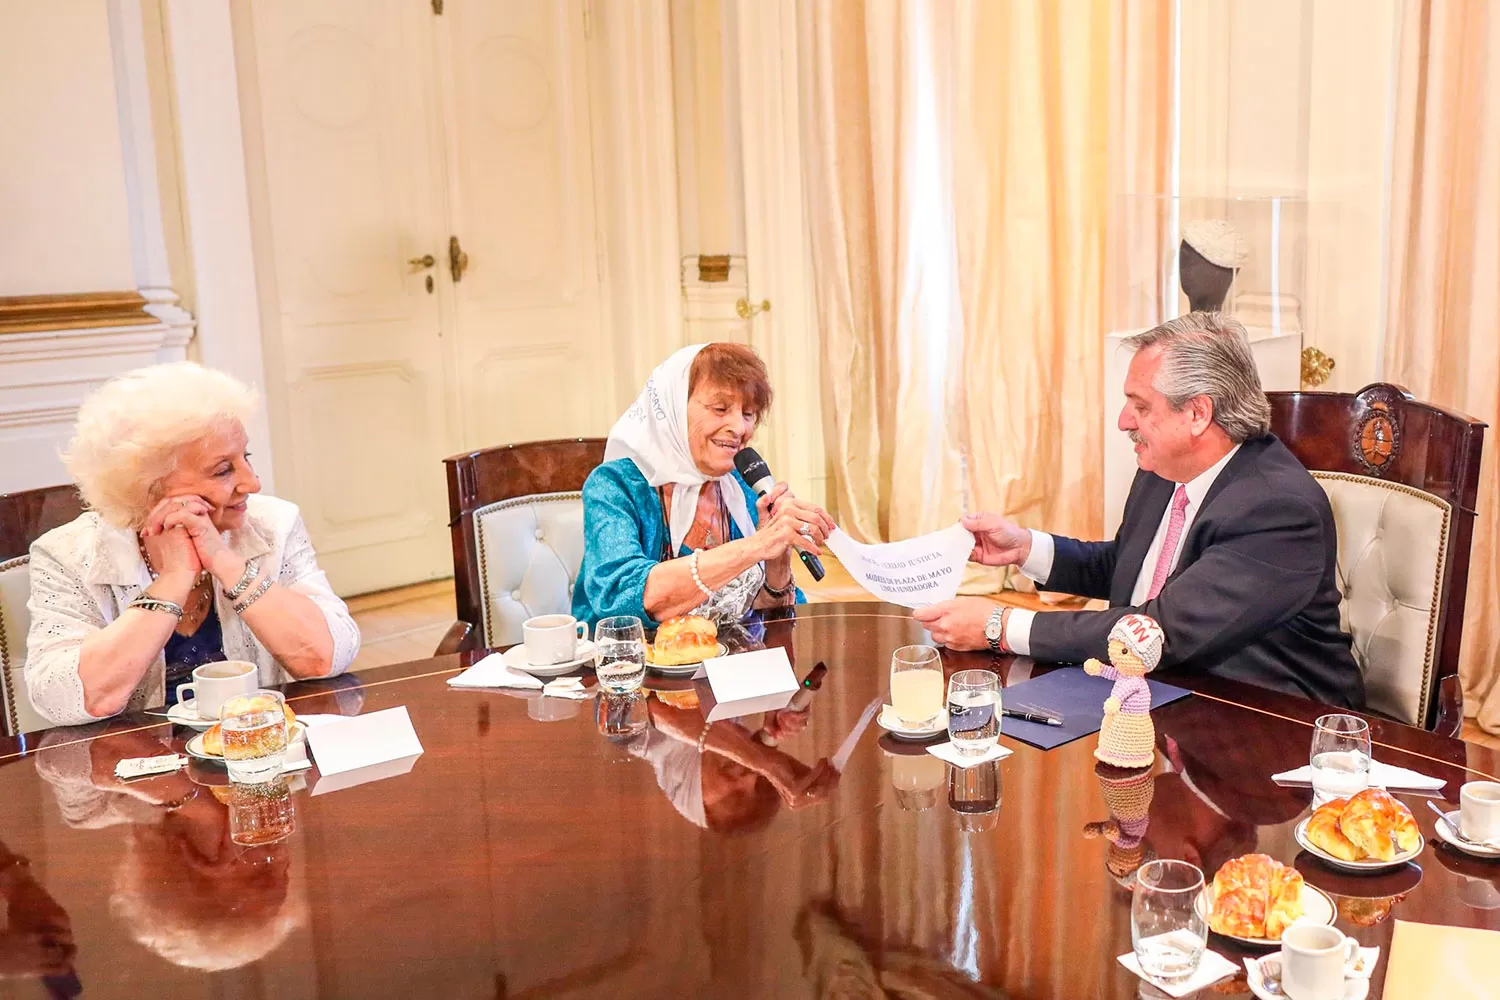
<point>148,603</point>
<point>703,737</point>
<point>233,593</point>
<point>693,565</point>
<point>255,595</point>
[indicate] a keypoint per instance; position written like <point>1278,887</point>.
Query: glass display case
<point>1144,279</point>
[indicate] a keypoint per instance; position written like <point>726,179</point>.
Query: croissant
<point>1323,830</point>
<point>1377,824</point>
<point>1255,896</point>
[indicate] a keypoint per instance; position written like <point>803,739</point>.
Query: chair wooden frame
<point>24,517</point>
<point>1383,433</point>
<point>479,478</point>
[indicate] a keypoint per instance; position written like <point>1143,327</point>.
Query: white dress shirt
<point>1038,566</point>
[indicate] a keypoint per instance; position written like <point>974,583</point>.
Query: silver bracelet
<point>148,603</point>
<point>693,565</point>
<point>255,595</point>
<point>247,578</point>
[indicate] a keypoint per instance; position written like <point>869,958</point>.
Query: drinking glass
<point>1167,931</point>
<point>255,735</point>
<point>621,717</point>
<point>261,814</point>
<point>973,711</point>
<point>917,778</point>
<point>1340,757</point>
<point>620,654</point>
<point>917,686</point>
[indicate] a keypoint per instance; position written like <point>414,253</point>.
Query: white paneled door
<point>428,220</point>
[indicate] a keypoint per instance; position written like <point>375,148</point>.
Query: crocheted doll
<point>1127,738</point>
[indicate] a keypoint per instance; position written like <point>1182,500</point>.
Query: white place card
<point>362,775</point>
<point>745,683</point>
<point>363,740</point>
<point>949,752</point>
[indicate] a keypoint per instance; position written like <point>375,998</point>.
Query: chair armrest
<point>459,638</point>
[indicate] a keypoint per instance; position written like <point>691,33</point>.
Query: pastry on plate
<point>1255,896</point>
<point>683,640</point>
<point>1323,830</point>
<point>1379,825</point>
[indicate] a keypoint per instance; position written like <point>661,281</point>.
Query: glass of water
<point>1340,757</point>
<point>621,717</point>
<point>255,736</point>
<point>1167,930</point>
<point>620,654</point>
<point>973,711</point>
<point>261,814</point>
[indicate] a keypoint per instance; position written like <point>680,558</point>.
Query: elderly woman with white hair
<point>179,561</point>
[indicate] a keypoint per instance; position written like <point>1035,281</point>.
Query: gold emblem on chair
<point>1376,440</point>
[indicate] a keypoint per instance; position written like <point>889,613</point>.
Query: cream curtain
<point>962,162</point>
<point>1444,287</point>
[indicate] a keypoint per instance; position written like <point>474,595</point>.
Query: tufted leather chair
<point>1402,478</point>
<point>516,514</point>
<point>23,517</point>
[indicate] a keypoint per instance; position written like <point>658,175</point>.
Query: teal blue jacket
<point>623,539</point>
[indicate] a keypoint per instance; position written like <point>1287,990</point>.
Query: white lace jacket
<point>85,573</point>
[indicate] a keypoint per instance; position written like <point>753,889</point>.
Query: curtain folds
<point>962,165</point>
<point>1444,273</point>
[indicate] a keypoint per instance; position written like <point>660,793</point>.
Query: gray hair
<point>1208,354</point>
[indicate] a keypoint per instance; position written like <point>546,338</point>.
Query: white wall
<point>63,210</point>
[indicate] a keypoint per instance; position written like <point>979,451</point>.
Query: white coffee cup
<point>553,638</point>
<point>215,683</point>
<point>1479,810</point>
<point>1315,959</point>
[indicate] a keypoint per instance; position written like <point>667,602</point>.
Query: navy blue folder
<point>1076,697</point>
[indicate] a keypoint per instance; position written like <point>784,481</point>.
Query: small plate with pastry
<point>1367,832</point>
<point>210,745</point>
<point>683,643</point>
<point>1254,898</point>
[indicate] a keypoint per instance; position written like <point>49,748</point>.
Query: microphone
<point>758,474</point>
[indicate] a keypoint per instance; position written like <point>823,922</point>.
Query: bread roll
<point>1255,896</point>
<point>685,639</point>
<point>1377,824</point>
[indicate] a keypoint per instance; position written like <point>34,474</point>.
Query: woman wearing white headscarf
<point>669,526</point>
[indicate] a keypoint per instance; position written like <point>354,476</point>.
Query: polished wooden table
<point>531,858</point>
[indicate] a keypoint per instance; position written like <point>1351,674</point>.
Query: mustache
<point>1135,437</point>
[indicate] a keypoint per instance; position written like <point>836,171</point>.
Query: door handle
<point>458,261</point>
<point>424,261</point>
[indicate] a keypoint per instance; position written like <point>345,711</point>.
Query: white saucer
<point>1355,988</point>
<point>1456,844</point>
<point>680,669</point>
<point>185,713</point>
<point>1367,867</point>
<point>892,724</point>
<point>1317,908</point>
<point>515,658</point>
<point>194,746</point>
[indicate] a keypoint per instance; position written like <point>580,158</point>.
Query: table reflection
<point>729,776</point>
<point>36,940</point>
<point>1127,795</point>
<point>182,888</point>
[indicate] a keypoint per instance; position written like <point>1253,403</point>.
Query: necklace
<point>201,594</point>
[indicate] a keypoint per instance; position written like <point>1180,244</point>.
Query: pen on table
<point>1046,720</point>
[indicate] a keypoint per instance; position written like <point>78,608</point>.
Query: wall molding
<point>73,310</point>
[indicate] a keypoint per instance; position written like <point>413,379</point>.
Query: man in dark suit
<point>1226,539</point>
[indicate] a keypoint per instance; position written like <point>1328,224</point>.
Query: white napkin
<point>1212,968</point>
<point>491,672</point>
<point>948,752</point>
<point>567,687</point>
<point>1381,776</point>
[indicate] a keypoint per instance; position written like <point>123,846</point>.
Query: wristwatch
<point>994,629</point>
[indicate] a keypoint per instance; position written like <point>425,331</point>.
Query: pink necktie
<point>1169,544</point>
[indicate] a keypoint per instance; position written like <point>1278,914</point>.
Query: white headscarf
<point>653,434</point>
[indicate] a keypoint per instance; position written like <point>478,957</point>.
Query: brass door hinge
<point>437,7</point>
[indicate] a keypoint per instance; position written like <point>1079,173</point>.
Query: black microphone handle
<point>813,563</point>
